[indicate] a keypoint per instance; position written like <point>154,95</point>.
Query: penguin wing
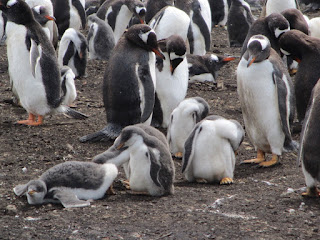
<point>69,53</point>
<point>82,14</point>
<point>200,22</point>
<point>155,167</point>
<point>69,199</point>
<point>20,189</point>
<point>35,53</point>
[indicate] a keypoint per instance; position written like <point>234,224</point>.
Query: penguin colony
<point>148,70</point>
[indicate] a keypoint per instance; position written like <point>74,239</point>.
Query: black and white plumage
<point>3,23</point>
<point>276,6</point>
<point>67,85</point>
<point>154,6</point>
<point>182,120</point>
<point>209,151</point>
<point>73,51</point>
<point>309,151</point>
<point>100,38</point>
<point>129,82</point>
<point>239,21</point>
<point>267,100</point>
<point>310,5</point>
<point>146,160</point>
<point>205,68</point>
<point>219,11</point>
<point>117,13</point>
<point>172,79</point>
<point>70,183</point>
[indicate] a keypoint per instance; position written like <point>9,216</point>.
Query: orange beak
<point>50,18</point>
<point>228,59</point>
<point>297,59</point>
<point>120,146</point>
<point>158,53</point>
<point>31,192</point>
<point>252,61</point>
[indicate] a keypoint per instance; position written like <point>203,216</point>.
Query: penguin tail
<point>110,132</point>
<point>69,112</point>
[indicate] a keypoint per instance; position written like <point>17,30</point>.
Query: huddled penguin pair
<point>144,154</point>
<point>71,183</point>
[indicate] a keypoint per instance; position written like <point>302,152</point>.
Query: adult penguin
<point>154,6</point>
<point>267,100</point>
<point>219,11</point>
<point>33,65</point>
<point>277,6</point>
<point>129,82</point>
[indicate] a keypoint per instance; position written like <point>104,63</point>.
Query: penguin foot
<point>272,162</point>
<point>31,120</point>
<point>201,180</point>
<point>178,155</point>
<point>311,192</point>
<point>260,158</point>
<point>111,191</point>
<point>226,181</point>
<point>126,184</point>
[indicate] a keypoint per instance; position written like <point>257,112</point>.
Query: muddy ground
<point>261,204</point>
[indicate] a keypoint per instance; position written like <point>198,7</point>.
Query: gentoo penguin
<point>172,79</point>
<point>267,100</point>
<point>149,166</point>
<point>239,21</point>
<point>183,118</point>
<point>165,17</point>
<point>209,151</point>
<point>73,51</point>
<point>91,7</point>
<point>272,27</point>
<point>199,34</point>
<point>309,144</point>
<point>306,51</point>
<point>277,6</point>
<point>69,14</point>
<point>68,85</point>
<point>3,23</point>
<point>310,5</point>
<point>129,82</point>
<point>70,183</point>
<point>100,38</point>
<point>117,13</point>
<point>33,66</point>
<point>154,6</point>
<point>314,27</point>
<point>219,11</point>
<point>205,68</point>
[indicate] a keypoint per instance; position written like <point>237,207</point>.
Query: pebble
<point>11,208</point>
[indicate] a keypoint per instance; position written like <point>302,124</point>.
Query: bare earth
<point>261,204</point>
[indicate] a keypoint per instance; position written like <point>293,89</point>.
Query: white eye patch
<point>11,3</point>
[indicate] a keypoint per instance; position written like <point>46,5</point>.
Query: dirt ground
<point>261,204</point>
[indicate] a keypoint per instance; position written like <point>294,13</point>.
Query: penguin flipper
<point>188,150</point>
<point>203,29</point>
<point>111,131</point>
<point>154,168</point>
<point>69,199</point>
<point>82,14</point>
<point>34,56</point>
<point>74,114</point>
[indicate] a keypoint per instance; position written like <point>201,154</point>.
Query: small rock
<point>11,208</point>
<point>24,170</point>
<point>291,211</point>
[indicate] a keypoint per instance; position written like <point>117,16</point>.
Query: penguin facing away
<point>154,6</point>
<point>183,119</point>
<point>267,100</point>
<point>209,151</point>
<point>219,11</point>
<point>277,6</point>
<point>70,183</point>
<point>100,38</point>
<point>129,82</point>
<point>67,85</point>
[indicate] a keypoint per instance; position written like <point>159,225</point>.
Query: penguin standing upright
<point>3,23</point>
<point>219,11</point>
<point>267,100</point>
<point>69,88</point>
<point>154,6</point>
<point>100,38</point>
<point>172,79</point>
<point>314,27</point>
<point>239,21</point>
<point>117,13</point>
<point>277,6</point>
<point>73,51</point>
<point>129,82</point>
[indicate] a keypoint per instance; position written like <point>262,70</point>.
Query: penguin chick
<point>68,87</point>
<point>73,52</point>
<point>267,100</point>
<point>219,11</point>
<point>209,151</point>
<point>205,68</point>
<point>182,120</point>
<point>70,183</point>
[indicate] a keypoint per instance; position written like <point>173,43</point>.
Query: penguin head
<point>41,15</point>
<point>214,62</point>
<point>138,9</point>
<point>258,49</point>
<point>277,24</point>
<point>34,189</point>
<point>17,11</point>
<point>291,43</point>
<point>129,136</point>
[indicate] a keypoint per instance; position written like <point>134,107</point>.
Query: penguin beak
<point>297,59</point>
<point>120,146</point>
<point>31,192</point>
<point>158,53</point>
<point>251,60</point>
<point>141,20</point>
<point>228,59</point>
<point>51,18</point>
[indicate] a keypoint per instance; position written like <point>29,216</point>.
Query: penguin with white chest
<point>219,11</point>
<point>73,51</point>
<point>154,6</point>
<point>172,79</point>
<point>209,151</point>
<point>267,100</point>
<point>33,66</point>
<point>70,183</point>
<point>277,6</point>
<point>129,82</point>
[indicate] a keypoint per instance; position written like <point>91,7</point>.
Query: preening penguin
<point>172,79</point>
<point>267,100</point>
<point>129,82</point>
<point>73,51</point>
<point>182,120</point>
<point>209,151</point>
<point>70,183</point>
<point>100,38</point>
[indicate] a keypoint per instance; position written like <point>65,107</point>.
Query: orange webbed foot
<point>312,192</point>
<point>272,162</point>
<point>31,120</point>
<point>226,181</point>
<point>260,158</point>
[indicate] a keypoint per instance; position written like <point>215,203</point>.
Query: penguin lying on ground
<point>267,100</point>
<point>70,183</point>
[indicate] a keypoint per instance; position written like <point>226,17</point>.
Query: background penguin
<point>183,118</point>
<point>69,182</point>
<point>309,145</point>
<point>3,23</point>
<point>199,34</point>
<point>310,5</point>
<point>117,13</point>
<point>267,100</point>
<point>205,68</point>
<point>277,6</point>
<point>73,51</point>
<point>69,14</point>
<point>314,27</point>
<point>239,21</point>
<point>306,51</point>
<point>272,27</point>
<point>33,66</point>
<point>209,151</point>
<point>129,82</point>
<point>100,38</point>
<point>91,6</point>
<point>154,6</point>
<point>219,11</point>
<point>172,79</point>
<point>68,85</point>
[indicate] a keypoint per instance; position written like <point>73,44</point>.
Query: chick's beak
<point>31,192</point>
<point>120,146</point>
<point>158,53</point>
<point>51,18</point>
